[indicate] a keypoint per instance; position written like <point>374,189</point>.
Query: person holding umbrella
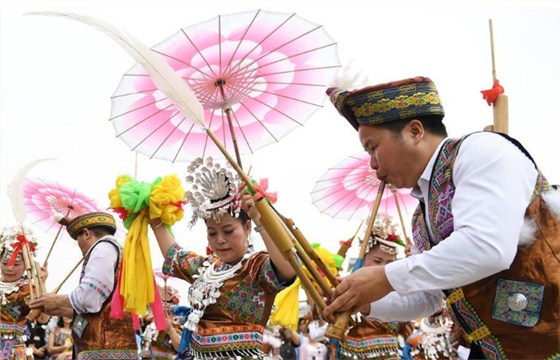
<point>233,289</point>
<point>486,231</point>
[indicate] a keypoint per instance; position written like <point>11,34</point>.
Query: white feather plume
<point>56,216</point>
<point>349,77</point>
<point>15,190</point>
<point>165,78</point>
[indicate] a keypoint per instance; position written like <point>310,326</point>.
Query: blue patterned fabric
<point>529,316</point>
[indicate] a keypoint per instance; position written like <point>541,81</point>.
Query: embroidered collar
<point>421,190</point>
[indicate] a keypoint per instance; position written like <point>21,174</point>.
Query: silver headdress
<point>213,190</point>
<point>12,239</point>
<point>384,234</point>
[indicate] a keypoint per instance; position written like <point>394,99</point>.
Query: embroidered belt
<point>108,354</point>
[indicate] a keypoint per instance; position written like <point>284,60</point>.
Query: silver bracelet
<point>259,228</point>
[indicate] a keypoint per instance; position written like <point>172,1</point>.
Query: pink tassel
<point>117,301</point>
<point>157,310</point>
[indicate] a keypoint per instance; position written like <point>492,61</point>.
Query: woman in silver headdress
<point>233,289</point>
<point>15,292</point>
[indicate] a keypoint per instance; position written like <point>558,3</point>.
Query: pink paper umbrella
<point>258,75</point>
<point>348,190</point>
<point>43,197</point>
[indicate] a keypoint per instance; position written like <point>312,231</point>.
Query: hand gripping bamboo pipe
<point>311,261</point>
<point>36,285</point>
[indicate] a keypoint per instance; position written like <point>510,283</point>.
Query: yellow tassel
<point>287,307</point>
<point>137,285</point>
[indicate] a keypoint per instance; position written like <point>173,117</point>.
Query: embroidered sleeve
<point>97,283</point>
<point>181,263</point>
<point>265,274</point>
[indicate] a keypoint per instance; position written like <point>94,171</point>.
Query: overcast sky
<point>57,77</point>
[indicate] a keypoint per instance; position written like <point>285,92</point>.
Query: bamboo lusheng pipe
<point>500,106</point>
<point>348,243</point>
<point>302,245</point>
<point>36,313</point>
<point>369,227</point>
<point>35,283</point>
<point>395,194</point>
<point>311,260</point>
<point>277,232</point>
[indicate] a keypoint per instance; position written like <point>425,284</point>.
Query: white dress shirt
<point>97,283</point>
<point>494,182</point>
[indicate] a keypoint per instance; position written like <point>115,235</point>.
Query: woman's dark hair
<point>432,124</point>
<point>60,322</point>
<point>243,216</point>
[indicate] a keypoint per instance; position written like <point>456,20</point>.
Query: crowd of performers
<point>429,338</point>
<point>414,307</point>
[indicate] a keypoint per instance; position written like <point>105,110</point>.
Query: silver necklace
<point>206,289</point>
<point>7,288</point>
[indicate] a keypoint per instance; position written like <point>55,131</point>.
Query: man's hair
<point>98,231</point>
<point>432,124</point>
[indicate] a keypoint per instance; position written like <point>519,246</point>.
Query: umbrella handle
<point>52,245</point>
<point>57,289</point>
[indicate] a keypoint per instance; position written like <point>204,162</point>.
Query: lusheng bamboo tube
<point>395,193</point>
<point>345,246</point>
<point>501,114</point>
<point>371,220</point>
<point>307,249</point>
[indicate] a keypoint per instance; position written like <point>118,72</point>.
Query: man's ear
<point>415,130</point>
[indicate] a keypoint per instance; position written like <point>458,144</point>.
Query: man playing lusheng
<point>486,229</point>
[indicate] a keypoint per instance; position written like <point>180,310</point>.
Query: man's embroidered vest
<point>515,313</point>
<point>101,332</point>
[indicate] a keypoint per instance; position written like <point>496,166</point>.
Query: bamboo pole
<point>338,323</point>
<point>303,246</point>
<point>345,246</point>
<point>500,106</point>
<point>407,239</point>
<point>57,289</point>
<point>371,221</point>
<point>56,237</point>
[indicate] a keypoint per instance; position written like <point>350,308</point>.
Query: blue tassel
<point>183,311</point>
<point>334,341</point>
<point>358,264</point>
<point>406,352</point>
